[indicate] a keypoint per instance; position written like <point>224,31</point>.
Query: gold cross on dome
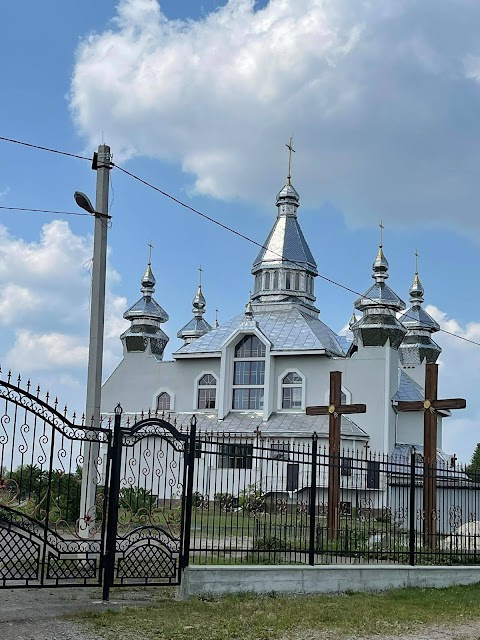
<point>290,151</point>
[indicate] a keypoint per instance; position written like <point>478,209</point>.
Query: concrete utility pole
<point>92,465</point>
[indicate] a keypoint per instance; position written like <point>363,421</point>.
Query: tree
<point>473,469</point>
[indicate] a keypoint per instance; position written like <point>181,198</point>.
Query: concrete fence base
<point>295,579</point>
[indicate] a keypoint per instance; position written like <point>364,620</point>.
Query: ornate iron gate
<point>87,506</point>
<point>150,503</point>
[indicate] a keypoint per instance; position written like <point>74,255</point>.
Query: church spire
<point>285,268</point>
<point>380,306</point>
<point>418,346</point>
<point>197,327</point>
<point>145,316</point>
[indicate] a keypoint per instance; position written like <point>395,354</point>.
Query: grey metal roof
<point>408,389</point>
<point>146,307</point>
<point>286,240</point>
<point>417,317</point>
<point>379,294</point>
<point>196,327</point>
<point>279,424</point>
<point>290,330</point>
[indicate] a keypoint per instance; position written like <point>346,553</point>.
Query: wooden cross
<point>334,410</point>
<point>430,405</point>
<point>290,150</point>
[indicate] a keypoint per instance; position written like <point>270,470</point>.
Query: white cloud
<point>459,377</point>
<point>4,192</point>
<point>380,95</point>
<point>44,309</point>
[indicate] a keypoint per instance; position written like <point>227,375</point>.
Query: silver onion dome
<point>198,326</point>
<point>418,345</point>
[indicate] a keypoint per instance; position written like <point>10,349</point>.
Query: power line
<point>62,213</point>
<point>206,217</point>
<point>262,246</point>
<point>36,146</point>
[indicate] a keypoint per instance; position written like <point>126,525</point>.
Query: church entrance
<point>90,505</point>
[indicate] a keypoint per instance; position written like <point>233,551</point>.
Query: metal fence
<point>258,500</point>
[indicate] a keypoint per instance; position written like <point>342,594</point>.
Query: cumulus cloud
<point>382,97</point>
<point>49,280</point>
<point>459,377</point>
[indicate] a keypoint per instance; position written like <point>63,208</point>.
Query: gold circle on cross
<point>427,404</point>
<point>331,408</point>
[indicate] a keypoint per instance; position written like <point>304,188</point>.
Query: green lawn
<point>260,618</point>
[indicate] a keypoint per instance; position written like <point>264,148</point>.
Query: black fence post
<point>113,502</point>
<point>189,492</point>
<point>411,536</point>
<point>313,501</point>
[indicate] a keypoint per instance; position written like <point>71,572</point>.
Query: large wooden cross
<point>430,405</point>
<point>334,410</point>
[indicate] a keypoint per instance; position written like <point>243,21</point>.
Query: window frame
<point>282,386</point>
<point>158,393</point>
<point>205,387</point>
<point>260,348</point>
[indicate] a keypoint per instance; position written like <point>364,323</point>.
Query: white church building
<point>257,372</point>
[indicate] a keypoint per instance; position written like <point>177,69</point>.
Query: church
<point>257,372</point>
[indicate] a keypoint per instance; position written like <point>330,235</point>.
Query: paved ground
<point>28,614</point>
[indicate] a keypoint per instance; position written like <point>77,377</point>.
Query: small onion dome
<point>288,193</point>
<point>380,265</point>
<point>249,310</point>
<point>417,291</point>
<point>199,302</point>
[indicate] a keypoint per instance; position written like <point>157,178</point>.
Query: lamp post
<point>91,472</point>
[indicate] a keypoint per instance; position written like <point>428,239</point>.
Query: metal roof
<point>289,330</point>
<point>408,389</point>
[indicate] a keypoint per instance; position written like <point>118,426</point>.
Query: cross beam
<point>334,410</point>
<point>430,406</point>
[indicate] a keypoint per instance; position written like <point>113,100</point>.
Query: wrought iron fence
<point>260,500</point>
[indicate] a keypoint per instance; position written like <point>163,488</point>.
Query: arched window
<point>275,279</point>
<point>207,392</point>
<point>163,401</point>
<point>292,391</point>
<point>258,278</point>
<point>287,280</point>
<point>249,374</point>
<point>267,280</point>
<point>297,282</point>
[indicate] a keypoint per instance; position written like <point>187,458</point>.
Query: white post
<point>91,450</point>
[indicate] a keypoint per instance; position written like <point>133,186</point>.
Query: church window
<point>267,280</point>
<point>249,374</point>
<point>287,280</point>
<point>346,466</point>
<point>373,474</point>
<point>297,282</point>
<point>236,456</point>
<point>292,391</point>
<point>207,392</point>
<point>257,282</point>
<point>275,280</point>
<point>163,401</point>
<point>280,451</point>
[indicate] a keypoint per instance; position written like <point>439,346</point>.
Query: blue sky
<point>199,98</point>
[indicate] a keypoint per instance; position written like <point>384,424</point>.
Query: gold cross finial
<point>150,247</point>
<point>381,232</point>
<point>200,271</point>
<point>290,151</point>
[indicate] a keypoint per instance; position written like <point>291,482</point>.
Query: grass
<point>247,617</point>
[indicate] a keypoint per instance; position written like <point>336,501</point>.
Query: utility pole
<point>92,465</point>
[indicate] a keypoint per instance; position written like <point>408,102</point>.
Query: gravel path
<point>29,614</point>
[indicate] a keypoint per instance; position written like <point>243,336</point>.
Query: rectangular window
<point>297,282</point>
<point>267,280</point>
<point>275,280</point>
<point>206,398</point>
<point>373,474</point>
<point>287,280</point>
<point>246,373</point>
<point>292,476</point>
<point>247,399</point>
<point>346,466</point>
<point>280,452</point>
<point>236,456</point>
<point>292,398</point>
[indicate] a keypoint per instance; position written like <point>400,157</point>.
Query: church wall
<point>139,379</point>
